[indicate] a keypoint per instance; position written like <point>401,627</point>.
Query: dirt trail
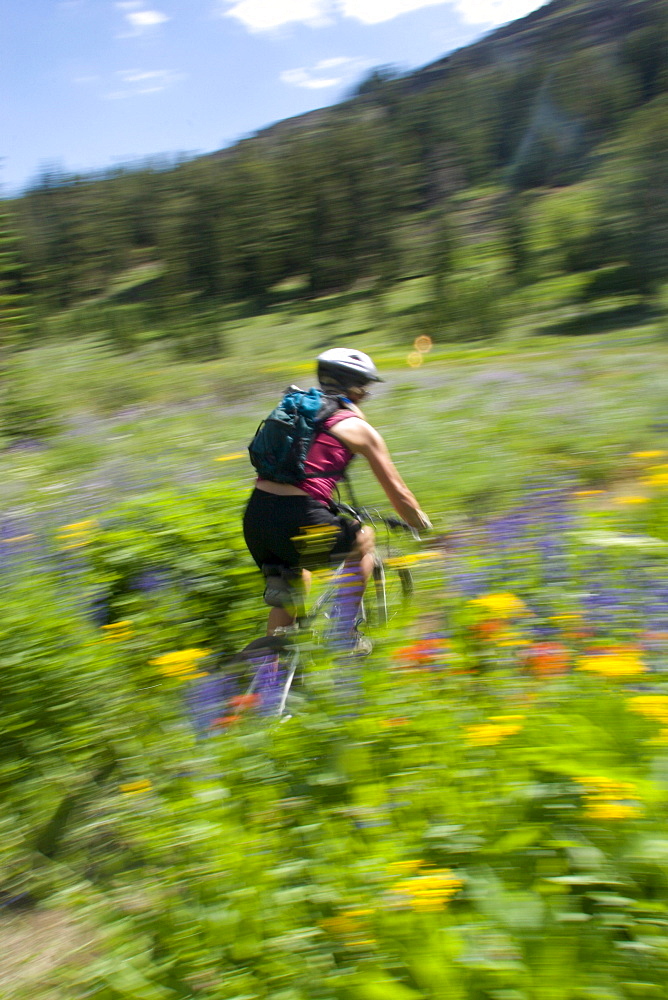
<point>33,948</point>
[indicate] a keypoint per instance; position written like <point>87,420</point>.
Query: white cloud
<point>303,78</point>
<point>138,82</point>
<point>333,63</point>
<point>312,79</point>
<point>146,18</point>
<point>265,15</point>
<point>138,17</point>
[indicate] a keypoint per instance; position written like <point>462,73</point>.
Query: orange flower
<point>545,658</point>
<point>244,701</point>
<point>488,629</point>
<point>224,721</point>
<point>421,653</point>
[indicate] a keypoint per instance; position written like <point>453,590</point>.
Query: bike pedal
<point>363,646</point>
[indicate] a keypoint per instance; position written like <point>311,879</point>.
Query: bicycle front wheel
<point>393,586</point>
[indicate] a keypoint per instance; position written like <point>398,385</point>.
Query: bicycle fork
<point>274,671</point>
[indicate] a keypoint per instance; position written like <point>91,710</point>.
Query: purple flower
<point>206,700</point>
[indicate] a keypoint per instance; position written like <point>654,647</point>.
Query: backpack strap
<point>331,405</point>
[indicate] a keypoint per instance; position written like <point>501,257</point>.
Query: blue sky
<point>90,84</point>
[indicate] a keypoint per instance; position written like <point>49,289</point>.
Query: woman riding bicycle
<point>291,529</point>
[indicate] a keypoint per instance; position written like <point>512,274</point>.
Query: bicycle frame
<point>284,642</point>
<point>270,657</point>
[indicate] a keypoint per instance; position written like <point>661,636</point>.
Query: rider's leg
<point>284,617</point>
<point>356,571</point>
<point>364,552</point>
<point>358,567</point>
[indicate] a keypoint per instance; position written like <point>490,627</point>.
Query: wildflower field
<point>475,811</point>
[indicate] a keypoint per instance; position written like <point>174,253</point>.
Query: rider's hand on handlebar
<point>423,522</point>
<point>416,520</point>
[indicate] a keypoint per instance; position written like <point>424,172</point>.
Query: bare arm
<point>362,439</point>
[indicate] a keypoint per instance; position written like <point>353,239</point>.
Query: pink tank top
<point>326,461</point>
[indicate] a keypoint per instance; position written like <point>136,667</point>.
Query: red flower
<point>546,658</point>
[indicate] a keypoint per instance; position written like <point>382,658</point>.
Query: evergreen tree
<point>634,223</point>
<point>14,313</point>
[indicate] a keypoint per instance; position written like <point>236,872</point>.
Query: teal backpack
<point>282,441</point>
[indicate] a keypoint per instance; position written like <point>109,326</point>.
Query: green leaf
<point>380,987</point>
<point>515,840</point>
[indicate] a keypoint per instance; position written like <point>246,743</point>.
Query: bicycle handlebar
<point>372,516</point>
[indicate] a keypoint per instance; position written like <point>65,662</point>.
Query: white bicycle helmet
<point>348,367</point>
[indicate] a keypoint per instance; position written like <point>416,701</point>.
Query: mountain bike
<point>264,673</point>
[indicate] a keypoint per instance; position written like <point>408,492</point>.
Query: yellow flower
<point>429,891</point>
<point>231,457</point>
<point>511,637</point>
<point>567,618</point>
<point>657,477</point>
<point>648,454</point>
<point>397,868</point>
<point>606,798</point>
<point>652,706</point>
<point>582,494</point>
<point>136,787</point>
<point>117,631</point>
<point>500,605</point>
<point>599,808</point>
<point>497,728</point>
<point>411,558</point>
<point>623,661</point>
<point>349,925</point>
<point>76,534</point>
<point>181,663</point>
<point>630,500</point>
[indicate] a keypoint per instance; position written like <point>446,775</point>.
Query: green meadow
<point>476,810</point>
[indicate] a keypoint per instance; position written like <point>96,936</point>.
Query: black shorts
<point>296,531</point>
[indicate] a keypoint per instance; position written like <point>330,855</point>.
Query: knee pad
<point>283,588</point>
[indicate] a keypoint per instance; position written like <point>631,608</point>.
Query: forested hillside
<point>542,147</point>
